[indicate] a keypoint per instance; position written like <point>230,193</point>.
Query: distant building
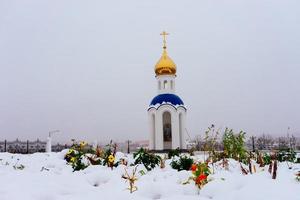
<point>19,146</point>
<point>139,144</point>
<point>59,147</point>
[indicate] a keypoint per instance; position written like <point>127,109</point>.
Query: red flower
<point>193,167</point>
<point>200,178</point>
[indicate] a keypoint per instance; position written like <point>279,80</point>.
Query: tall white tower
<point>166,111</point>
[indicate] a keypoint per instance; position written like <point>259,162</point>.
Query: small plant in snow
<point>200,173</point>
<point>74,158</point>
<point>123,162</point>
<point>142,172</point>
<point>266,159</point>
<point>244,170</point>
<point>131,179</point>
<point>94,160</point>
<point>96,156</point>
<point>44,169</point>
<point>149,160</point>
<point>234,145</point>
<point>110,160</point>
<point>182,163</point>
<point>109,155</point>
<point>273,166</point>
<point>163,162</point>
<point>172,153</point>
<point>210,142</point>
<point>260,159</point>
<point>286,155</point>
<point>76,155</point>
<point>18,166</point>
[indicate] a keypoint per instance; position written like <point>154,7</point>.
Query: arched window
<point>165,84</point>
<point>167,130</point>
<point>159,85</point>
<point>172,86</point>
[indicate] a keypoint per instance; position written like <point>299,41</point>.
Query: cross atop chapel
<point>164,34</point>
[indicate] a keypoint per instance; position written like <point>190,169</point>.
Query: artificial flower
<point>111,158</point>
<point>200,178</point>
<point>73,159</point>
<point>82,144</point>
<point>71,151</point>
<point>193,167</point>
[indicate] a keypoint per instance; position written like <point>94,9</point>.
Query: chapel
<point>166,112</point>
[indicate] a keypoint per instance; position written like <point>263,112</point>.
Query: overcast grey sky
<point>87,67</point>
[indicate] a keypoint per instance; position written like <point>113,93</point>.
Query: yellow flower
<point>73,159</point>
<point>111,158</point>
<point>82,144</point>
<point>71,151</point>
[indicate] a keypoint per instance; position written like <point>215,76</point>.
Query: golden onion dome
<point>165,65</point>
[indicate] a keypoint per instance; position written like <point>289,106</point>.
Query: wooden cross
<point>164,34</point>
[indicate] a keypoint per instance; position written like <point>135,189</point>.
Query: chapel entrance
<point>167,130</point>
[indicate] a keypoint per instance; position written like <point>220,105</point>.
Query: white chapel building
<point>166,112</point>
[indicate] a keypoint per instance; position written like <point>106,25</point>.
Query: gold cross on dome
<point>164,34</point>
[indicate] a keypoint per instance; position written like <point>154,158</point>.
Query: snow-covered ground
<point>48,177</point>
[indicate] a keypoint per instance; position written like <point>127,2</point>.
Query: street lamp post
<point>49,145</point>
<point>128,146</point>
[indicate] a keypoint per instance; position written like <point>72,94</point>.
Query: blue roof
<point>168,98</point>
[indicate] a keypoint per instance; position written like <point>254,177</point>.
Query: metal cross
<point>164,34</point>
